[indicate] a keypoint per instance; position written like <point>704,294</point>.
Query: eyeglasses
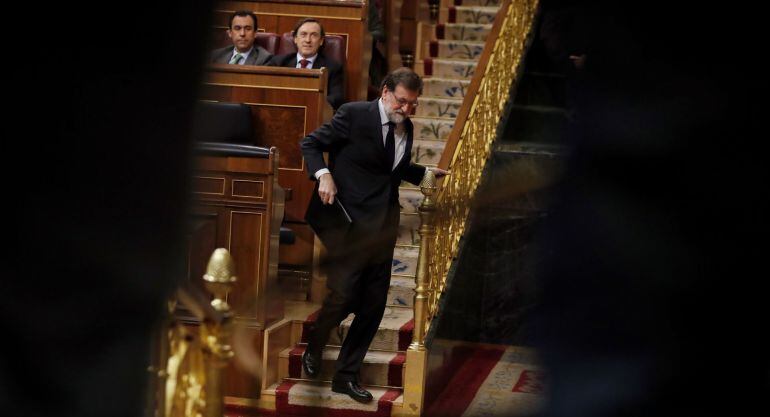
<point>403,102</point>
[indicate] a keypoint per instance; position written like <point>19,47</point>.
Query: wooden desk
<point>286,104</point>
<point>238,205</point>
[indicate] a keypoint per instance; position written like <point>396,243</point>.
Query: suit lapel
<point>318,62</point>
<point>252,60</point>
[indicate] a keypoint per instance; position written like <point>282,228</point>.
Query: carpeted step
<point>409,199</point>
<point>493,382</point>
<point>454,49</point>
<point>394,334</point>
<point>431,128</point>
<point>427,152</point>
<point>438,107</point>
<point>379,368</point>
<point>408,228</point>
<point>541,89</point>
<point>482,3</point>
<point>304,398</point>
<point>469,14</point>
<point>444,87</point>
<point>535,124</point>
<point>401,292</point>
<point>404,261</point>
<point>463,31</point>
<point>448,68</point>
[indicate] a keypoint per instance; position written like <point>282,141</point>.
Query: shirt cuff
<point>321,172</point>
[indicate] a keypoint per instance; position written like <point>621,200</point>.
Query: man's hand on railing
<point>438,172</point>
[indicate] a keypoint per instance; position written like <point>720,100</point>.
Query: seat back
<point>334,47</point>
<point>223,122</point>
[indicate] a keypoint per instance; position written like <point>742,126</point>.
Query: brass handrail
<point>465,155</point>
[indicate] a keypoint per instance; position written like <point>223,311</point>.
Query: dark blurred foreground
<point>651,301</point>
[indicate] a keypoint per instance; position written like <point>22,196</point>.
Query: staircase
<point>450,50</point>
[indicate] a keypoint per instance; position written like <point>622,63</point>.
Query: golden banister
<point>192,358</point>
<point>470,142</point>
<point>445,208</point>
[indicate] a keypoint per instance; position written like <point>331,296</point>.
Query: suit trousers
<point>358,277</point>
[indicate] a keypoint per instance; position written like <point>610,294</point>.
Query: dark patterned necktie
<point>304,63</point>
<point>390,145</point>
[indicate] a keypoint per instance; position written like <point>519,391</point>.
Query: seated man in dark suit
<point>243,32</point>
<point>309,37</point>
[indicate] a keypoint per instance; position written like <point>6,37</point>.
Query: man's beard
<point>394,116</point>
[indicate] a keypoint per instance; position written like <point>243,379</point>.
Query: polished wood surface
<point>238,205</point>
<point>286,105</point>
<point>346,18</point>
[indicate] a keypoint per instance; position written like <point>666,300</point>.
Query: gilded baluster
<point>427,232</point>
<point>216,337</point>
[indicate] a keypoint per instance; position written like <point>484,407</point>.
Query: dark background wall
<point>95,157</point>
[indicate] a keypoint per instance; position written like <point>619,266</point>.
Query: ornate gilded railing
<point>192,355</point>
<point>467,150</point>
<point>447,201</point>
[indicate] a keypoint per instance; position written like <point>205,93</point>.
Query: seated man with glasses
<point>309,38</point>
<point>243,33</point>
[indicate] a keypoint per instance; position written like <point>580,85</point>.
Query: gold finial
<point>219,278</point>
<point>221,268</point>
<point>428,183</point>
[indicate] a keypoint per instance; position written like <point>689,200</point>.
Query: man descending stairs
<point>450,57</point>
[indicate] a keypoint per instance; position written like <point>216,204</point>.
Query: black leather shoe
<point>311,363</point>
<point>353,390</point>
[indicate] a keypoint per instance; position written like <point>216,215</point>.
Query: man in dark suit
<point>243,33</point>
<point>309,38</point>
<point>369,145</point>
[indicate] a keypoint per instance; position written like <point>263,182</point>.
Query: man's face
<point>242,32</point>
<point>308,39</point>
<point>399,103</point>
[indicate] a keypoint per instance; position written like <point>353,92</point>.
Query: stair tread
<point>393,319</point>
<point>330,353</point>
<point>459,42</point>
<point>487,9</point>
<point>319,392</point>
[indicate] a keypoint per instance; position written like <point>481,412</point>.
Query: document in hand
<point>327,217</point>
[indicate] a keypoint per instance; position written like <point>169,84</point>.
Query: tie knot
<point>304,62</point>
<point>390,125</point>
<point>236,59</point>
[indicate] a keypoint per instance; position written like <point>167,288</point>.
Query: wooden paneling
<point>286,105</point>
<point>301,251</point>
<point>346,18</point>
<point>243,218</point>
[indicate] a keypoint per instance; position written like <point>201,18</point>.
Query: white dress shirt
<point>311,59</point>
<point>245,55</point>
<point>399,135</point>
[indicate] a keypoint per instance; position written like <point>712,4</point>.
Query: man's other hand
<point>438,172</point>
<point>327,189</point>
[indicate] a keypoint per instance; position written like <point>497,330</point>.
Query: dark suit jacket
<point>365,184</point>
<point>259,56</point>
<point>335,91</point>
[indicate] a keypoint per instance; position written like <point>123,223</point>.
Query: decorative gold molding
<point>317,16</point>
<point>224,182</point>
<point>261,195</point>
<point>266,87</point>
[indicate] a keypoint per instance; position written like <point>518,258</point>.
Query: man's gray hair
<point>405,77</point>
